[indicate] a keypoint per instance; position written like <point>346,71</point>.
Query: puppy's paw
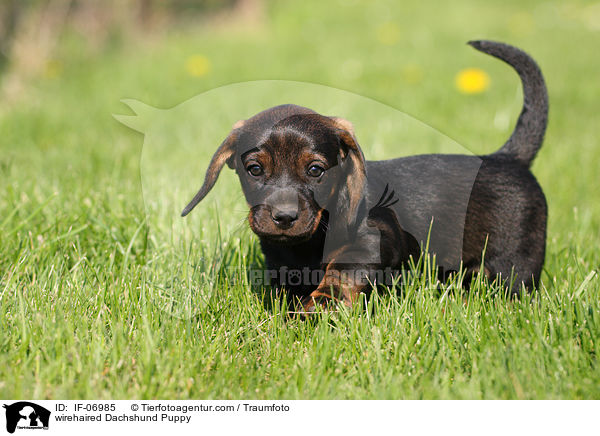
<point>315,303</point>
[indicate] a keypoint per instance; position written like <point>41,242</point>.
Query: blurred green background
<point>67,63</point>
<point>74,247</point>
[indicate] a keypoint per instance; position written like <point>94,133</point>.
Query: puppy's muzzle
<point>284,218</point>
<point>284,207</point>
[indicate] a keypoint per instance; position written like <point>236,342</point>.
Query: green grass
<point>86,275</point>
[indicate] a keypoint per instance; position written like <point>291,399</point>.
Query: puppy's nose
<point>284,217</point>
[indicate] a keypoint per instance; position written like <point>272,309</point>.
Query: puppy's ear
<point>343,124</point>
<point>353,163</point>
<point>224,154</point>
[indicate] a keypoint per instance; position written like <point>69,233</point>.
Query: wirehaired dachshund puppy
<point>329,222</point>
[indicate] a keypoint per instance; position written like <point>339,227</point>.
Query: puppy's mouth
<point>300,232</point>
<point>286,239</point>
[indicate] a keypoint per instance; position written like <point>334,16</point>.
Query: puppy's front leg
<point>341,282</point>
<point>335,286</point>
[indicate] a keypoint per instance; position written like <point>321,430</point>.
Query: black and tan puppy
<point>329,222</point>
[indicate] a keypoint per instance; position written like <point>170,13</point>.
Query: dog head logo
<point>26,415</point>
<point>304,181</point>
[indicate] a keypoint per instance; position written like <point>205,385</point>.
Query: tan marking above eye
<point>310,158</point>
<point>258,157</point>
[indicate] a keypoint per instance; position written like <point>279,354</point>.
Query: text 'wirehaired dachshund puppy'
<point>331,224</point>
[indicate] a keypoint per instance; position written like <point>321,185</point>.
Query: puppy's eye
<point>255,170</point>
<point>315,170</point>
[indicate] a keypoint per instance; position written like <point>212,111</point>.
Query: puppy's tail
<point>528,135</point>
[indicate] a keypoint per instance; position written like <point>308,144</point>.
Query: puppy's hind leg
<point>516,274</point>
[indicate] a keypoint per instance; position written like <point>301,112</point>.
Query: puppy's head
<point>293,165</point>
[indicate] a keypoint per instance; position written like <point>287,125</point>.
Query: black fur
<point>369,215</point>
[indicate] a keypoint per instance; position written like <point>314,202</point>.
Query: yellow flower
<point>472,81</point>
<point>197,65</point>
<point>388,33</point>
